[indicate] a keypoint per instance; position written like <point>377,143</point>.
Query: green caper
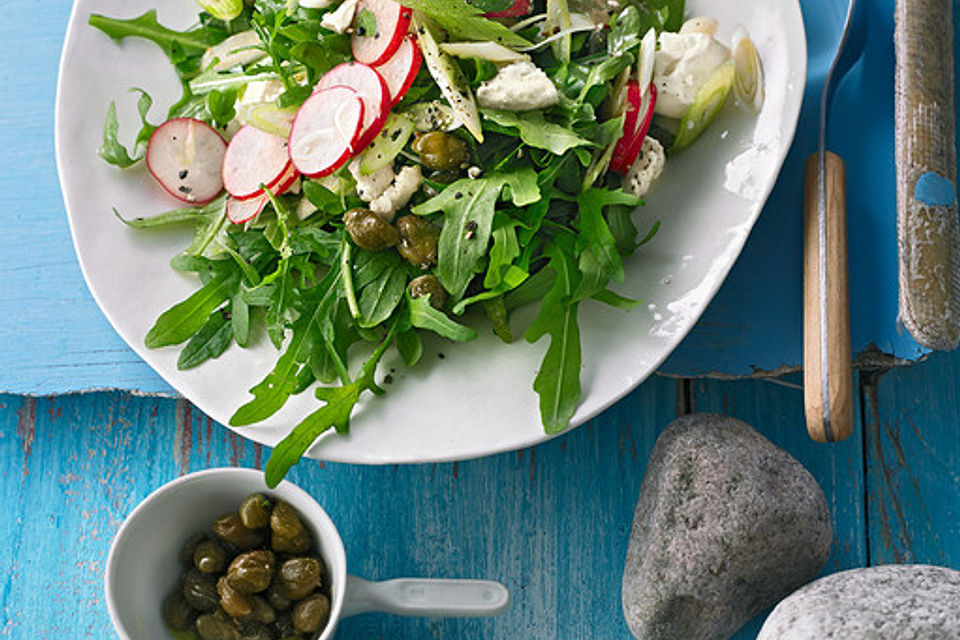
<point>251,572</point>
<point>369,231</point>
<point>277,598</point>
<point>210,557</point>
<point>418,241</point>
<point>177,611</point>
<point>441,151</point>
<point>255,511</point>
<point>429,285</point>
<point>297,577</point>
<point>217,626</point>
<point>292,637</point>
<point>200,591</point>
<point>253,630</point>
<point>300,543</point>
<point>186,551</point>
<point>262,611</point>
<point>311,613</point>
<point>229,528</point>
<point>235,603</point>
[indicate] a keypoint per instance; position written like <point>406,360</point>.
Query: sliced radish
<point>401,69</point>
<point>393,21</point>
<point>254,158</point>
<point>185,155</point>
<point>326,130</point>
<point>637,120</point>
<point>240,211</point>
<point>519,8</point>
<point>372,89</point>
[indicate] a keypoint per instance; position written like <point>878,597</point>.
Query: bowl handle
<point>426,598</point>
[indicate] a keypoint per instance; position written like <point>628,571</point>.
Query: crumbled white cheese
<point>700,24</point>
<point>369,187</point>
<point>341,19</point>
<point>684,62</point>
<point>646,169</point>
<point>317,4</point>
<point>521,86</point>
<point>262,91</point>
<point>398,194</point>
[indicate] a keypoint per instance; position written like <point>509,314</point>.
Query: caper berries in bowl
<point>213,556</point>
<point>252,576</point>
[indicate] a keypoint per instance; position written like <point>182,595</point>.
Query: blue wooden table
<point>550,522</point>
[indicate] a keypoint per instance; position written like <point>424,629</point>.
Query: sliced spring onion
<point>388,144</point>
<point>483,50</point>
<point>558,19</point>
<point>646,59</point>
<point>748,79</point>
<point>706,105</point>
<point>222,9</point>
<point>267,117</point>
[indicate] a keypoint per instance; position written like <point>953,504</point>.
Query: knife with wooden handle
<point>928,231</point>
<point>827,369</point>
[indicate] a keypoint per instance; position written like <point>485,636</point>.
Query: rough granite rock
<point>893,602</point>
<point>727,524</point>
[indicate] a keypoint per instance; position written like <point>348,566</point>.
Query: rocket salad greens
<point>382,168</point>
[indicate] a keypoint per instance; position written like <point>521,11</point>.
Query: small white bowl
<point>142,565</point>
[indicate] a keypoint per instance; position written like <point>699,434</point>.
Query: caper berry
<point>177,611</point>
<point>200,590</point>
<point>429,285</point>
<point>297,577</point>
<point>253,630</point>
<point>229,528</point>
<point>441,151</point>
<point>369,231</point>
<point>277,598</point>
<point>262,611</point>
<point>235,603</point>
<point>216,626</point>
<point>186,551</point>
<point>251,572</point>
<point>255,511</point>
<point>311,613</point>
<point>210,557</point>
<point>418,241</point>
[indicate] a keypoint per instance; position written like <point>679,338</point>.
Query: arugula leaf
<point>534,130</point>
<point>209,342</point>
<point>424,316</point>
<point>558,381</point>
<point>462,20</point>
<point>272,393</point>
<point>222,9</point>
<point>594,227</point>
<point>504,250</point>
<point>499,318</point>
<point>240,320</point>
<point>410,346</point>
<point>182,320</point>
<point>366,22</point>
<point>176,217</point>
<point>335,414</point>
<point>115,153</point>
<point>492,6</point>
<point>381,279</point>
<point>190,42</point>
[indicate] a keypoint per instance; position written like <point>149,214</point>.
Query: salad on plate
<point>359,172</point>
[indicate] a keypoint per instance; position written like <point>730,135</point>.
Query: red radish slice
<point>372,89</point>
<point>254,158</point>
<point>325,132</point>
<point>635,127</point>
<point>185,155</point>
<point>393,21</point>
<point>401,69</point>
<point>240,211</point>
<point>519,8</point>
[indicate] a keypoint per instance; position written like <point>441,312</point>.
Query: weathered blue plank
<point>550,522</point>
<point>912,439</point>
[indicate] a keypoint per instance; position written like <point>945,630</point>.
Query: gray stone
<point>727,524</point>
<point>893,602</point>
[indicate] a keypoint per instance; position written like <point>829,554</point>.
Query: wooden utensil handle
<point>927,225</point>
<point>827,371</point>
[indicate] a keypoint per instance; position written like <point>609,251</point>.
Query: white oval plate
<point>478,399</point>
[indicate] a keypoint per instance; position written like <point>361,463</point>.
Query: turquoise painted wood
<point>551,522</point>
